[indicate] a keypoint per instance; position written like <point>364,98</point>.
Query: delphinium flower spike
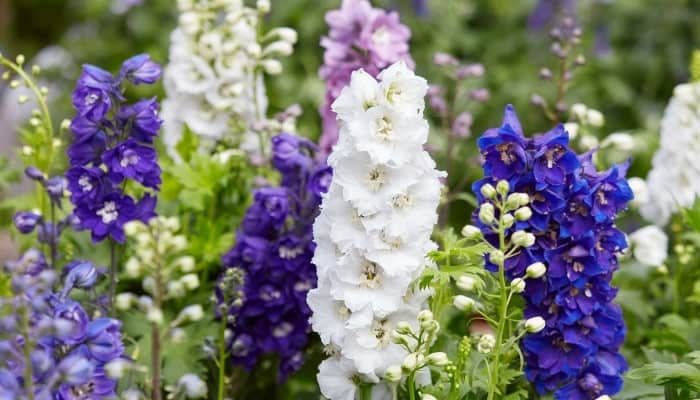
<point>360,37</point>
<point>374,229</point>
<point>572,217</point>
<point>273,253</point>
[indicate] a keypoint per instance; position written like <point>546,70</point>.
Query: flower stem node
<point>534,324</point>
<point>463,303</point>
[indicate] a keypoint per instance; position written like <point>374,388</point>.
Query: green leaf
<point>681,375</point>
<point>188,144</point>
<point>691,216</point>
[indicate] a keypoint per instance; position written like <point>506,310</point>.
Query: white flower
<point>191,313</point>
<point>192,386</point>
<point>619,141</point>
<point>674,180</point>
<point>374,229</point>
<point>649,245</point>
<point>640,189</point>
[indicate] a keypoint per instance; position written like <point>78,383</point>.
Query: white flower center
<point>393,94</point>
<point>370,276</point>
<point>381,36</point>
<point>91,99</point>
<point>402,201</point>
<point>342,310</point>
<point>282,330</point>
<point>108,212</point>
<point>84,183</point>
<point>289,252</point>
<point>130,158</point>
<point>376,178</point>
<point>394,242</point>
<point>385,129</point>
<point>380,331</point>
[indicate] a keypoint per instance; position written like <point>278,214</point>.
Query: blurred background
<point>636,52</point>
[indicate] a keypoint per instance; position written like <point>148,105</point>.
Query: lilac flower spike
<point>574,207</point>
<point>113,143</point>
<point>360,37</point>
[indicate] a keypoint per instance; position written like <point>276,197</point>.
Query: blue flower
<point>503,149</point>
<point>553,161</point>
<point>142,118</point>
<point>132,160</point>
<point>140,69</point>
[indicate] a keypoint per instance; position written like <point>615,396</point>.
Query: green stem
<point>677,287</point>
<point>502,313</point>
<point>222,358</point>
<point>366,391</point>
<point>28,372</point>
<point>112,274</point>
<point>411,385</point>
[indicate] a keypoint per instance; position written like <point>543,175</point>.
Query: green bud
<point>497,257</point>
<point>404,328</point>
<point>502,187</point>
<point>14,84</point>
<point>36,70</point>
<point>438,359</point>
<point>6,75</point>
<point>518,285</point>
<point>523,239</point>
<point>393,373</point>
<point>19,60</point>
<point>536,270</point>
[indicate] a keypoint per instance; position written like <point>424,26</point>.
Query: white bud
<point>536,270</point>
<point>175,289</point>
<point>191,313</point>
<point>412,361</point>
<point>149,284</point>
<point>427,396</point>
<point>280,47</point>
<point>186,263</point>
<point>523,213</point>
<point>189,21</point>
<point>534,324</point>
<point>471,232</point>
<point>463,303</point>
<point>503,187</point>
<point>155,315</point>
<point>178,243</point>
<point>523,239</point>
<point>579,111</point>
<point>263,6</point>
<point>486,344</point>
<point>178,335</point>
<point>438,359</point>
<point>145,303</point>
<point>589,142</point>
<point>619,141</point>
<point>466,283</point>
<point>518,285</point>
<point>572,129</point>
<point>192,386</point>
<point>20,59</point>
<point>191,281</point>
<point>404,328</point>
<point>115,369</point>
<point>488,191</point>
<point>516,200</point>
<point>123,301</point>
<point>486,213</point>
<point>271,66</point>
<point>603,397</point>
<point>22,99</point>
<point>27,151</point>
<point>508,220</point>
<point>640,189</point>
<point>425,316</point>
<point>284,33</point>
<point>595,118</point>
<point>393,373</point>
<point>131,228</point>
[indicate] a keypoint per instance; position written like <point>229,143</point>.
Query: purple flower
<point>31,262</point>
<point>87,150</point>
<point>87,184</point>
<point>104,341</point>
<point>83,127</point>
<point>320,180</point>
<point>35,174</point>
<point>288,152</point>
<point>140,69</point>
<point>55,187</point>
<point>26,221</point>
<point>91,102</point>
<point>80,274</point>
<point>133,160</point>
<point>73,314</point>
<point>143,119</point>
<point>108,217</point>
<point>574,208</point>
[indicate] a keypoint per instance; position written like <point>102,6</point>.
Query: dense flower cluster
<point>374,228</point>
<point>573,219</point>
<point>360,37</point>
<point>114,144</point>
<point>674,172</point>
<point>215,71</point>
<point>68,349</point>
<point>273,250</point>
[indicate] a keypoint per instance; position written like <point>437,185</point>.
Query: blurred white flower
<point>640,189</point>
<point>192,386</point>
<point>649,245</point>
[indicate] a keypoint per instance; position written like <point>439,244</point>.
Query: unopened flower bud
<point>271,66</point>
<point>411,361</point>
<point>487,213</point>
<point>123,301</point>
<point>488,191</point>
<point>263,6</point>
<point>192,386</point>
<point>534,324</point>
<point>471,232</point>
<point>508,220</point>
<point>427,396</point>
<point>595,118</point>
<point>20,59</point>
<point>186,263</point>
<point>523,213</point>
<point>287,34</point>
<point>280,47</point>
<point>191,313</point>
<point>497,257</point>
<point>438,359</point>
<point>404,328</point>
<point>523,239</point>
<point>503,187</point>
<point>603,397</point>
<point>466,283</point>
<point>516,200</point>
<point>191,281</point>
<point>463,303</point>
<point>579,111</point>
<point>393,373</point>
<point>155,315</point>
<point>486,344</point>
<point>115,369</point>
<point>535,270</point>
<point>518,285</point>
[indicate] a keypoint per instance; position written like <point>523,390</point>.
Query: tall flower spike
<point>216,70</point>
<point>360,37</point>
<point>273,252</point>
<point>572,215</point>
<point>113,142</point>
<point>374,228</point>
<point>672,175</point>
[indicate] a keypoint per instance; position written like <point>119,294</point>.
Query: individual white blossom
<point>649,245</point>
<point>192,386</point>
<point>215,73</point>
<point>374,230</point>
<point>674,179</point>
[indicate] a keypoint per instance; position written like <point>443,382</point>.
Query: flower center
<point>84,183</point>
<point>108,212</point>
<point>385,129</point>
<point>402,201</point>
<point>289,252</point>
<point>129,158</point>
<point>381,36</point>
<point>83,390</point>
<point>370,276</point>
<point>380,331</point>
<point>376,178</point>
<point>91,99</point>
<point>282,330</point>
<point>553,155</point>
<point>505,150</point>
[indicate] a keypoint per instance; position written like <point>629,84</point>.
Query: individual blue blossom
<point>273,250</point>
<point>574,206</point>
<point>114,142</point>
<point>26,221</point>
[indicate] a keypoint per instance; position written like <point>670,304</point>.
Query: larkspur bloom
<point>360,37</point>
<point>273,250</point>
<point>374,229</point>
<point>215,71</point>
<point>113,143</point>
<point>674,172</point>
<point>572,215</point>
<point>68,348</point>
